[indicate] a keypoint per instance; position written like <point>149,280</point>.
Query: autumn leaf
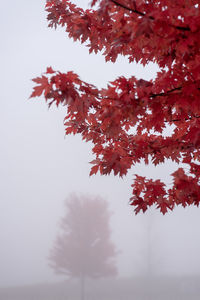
<point>127,121</point>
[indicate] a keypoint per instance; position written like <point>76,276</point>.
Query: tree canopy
<point>163,32</point>
<point>84,248</point>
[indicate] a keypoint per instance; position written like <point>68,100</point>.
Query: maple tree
<point>163,32</point>
<point>84,249</point>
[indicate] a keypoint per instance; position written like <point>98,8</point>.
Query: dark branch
<point>128,8</point>
<point>164,94</point>
<point>180,27</point>
<point>143,15</point>
<point>186,119</point>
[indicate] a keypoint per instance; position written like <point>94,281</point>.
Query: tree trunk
<point>82,279</point>
<point>150,245</point>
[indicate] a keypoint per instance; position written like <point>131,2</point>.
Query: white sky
<point>40,167</point>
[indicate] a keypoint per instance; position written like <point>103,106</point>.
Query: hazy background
<point>40,167</point>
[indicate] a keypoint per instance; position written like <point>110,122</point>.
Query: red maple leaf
<point>127,121</point>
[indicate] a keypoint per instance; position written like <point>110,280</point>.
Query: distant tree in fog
<point>84,248</point>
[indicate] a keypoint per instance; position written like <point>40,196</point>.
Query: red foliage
<point>164,32</point>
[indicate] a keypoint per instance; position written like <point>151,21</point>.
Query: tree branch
<point>128,8</point>
<point>143,15</point>
<point>164,94</point>
<point>186,119</point>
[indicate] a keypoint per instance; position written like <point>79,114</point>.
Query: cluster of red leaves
<point>126,121</point>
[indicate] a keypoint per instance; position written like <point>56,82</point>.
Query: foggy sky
<point>40,167</point>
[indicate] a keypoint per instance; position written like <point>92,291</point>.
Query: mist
<point>40,168</point>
